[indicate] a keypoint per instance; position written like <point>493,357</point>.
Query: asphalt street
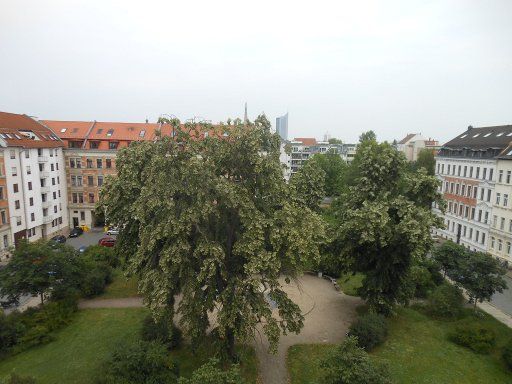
<point>503,301</point>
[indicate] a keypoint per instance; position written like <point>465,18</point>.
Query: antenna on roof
<point>470,127</point>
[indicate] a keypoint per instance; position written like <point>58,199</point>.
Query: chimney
<point>470,127</point>
<point>147,121</point>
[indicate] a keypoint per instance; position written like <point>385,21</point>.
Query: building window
<point>39,152</point>
<point>90,181</point>
<point>53,180</point>
<point>508,176</point>
<point>29,171</point>
<point>488,195</point>
<point>31,201</point>
<point>494,221</point>
<point>491,171</point>
<point>54,209</point>
<point>14,171</point>
<point>32,216</point>
<point>3,217</point>
<point>484,173</point>
<point>493,241</point>
<point>17,204</point>
<point>100,181</point>
<point>79,181</point>
<point>54,195</point>
<point>113,145</point>
<point>108,163</point>
<point>29,185</point>
<point>94,144</point>
<point>477,172</point>
<point>1,193</point>
<point>74,198</point>
<point>475,191</point>
<point>56,164</point>
<point>15,188</point>
<point>498,196</point>
<point>502,223</point>
<point>18,220</point>
<point>52,167</point>
<point>486,217</point>
<point>500,244</point>
<point>89,163</point>
<point>505,199</point>
<point>483,238</point>
<point>500,176</point>
<point>91,198</point>
<point>82,215</point>
<point>13,153</point>
<point>99,163</point>
<point>472,213</point>
<point>508,247</point>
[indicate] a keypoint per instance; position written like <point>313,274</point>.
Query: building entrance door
<point>75,222</point>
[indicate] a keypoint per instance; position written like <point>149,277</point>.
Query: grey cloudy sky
<point>340,66</point>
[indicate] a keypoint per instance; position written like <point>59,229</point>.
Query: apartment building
<point>303,148</point>
<point>5,228</point>
<point>501,221</point>
<point>33,182</point>
<point>413,143</point>
<point>90,157</point>
<point>468,169</point>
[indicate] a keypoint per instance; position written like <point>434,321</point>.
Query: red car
<point>107,241</point>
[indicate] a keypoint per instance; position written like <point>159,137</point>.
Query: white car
<point>113,231</point>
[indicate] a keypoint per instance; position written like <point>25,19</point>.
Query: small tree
<point>451,257</point>
<point>35,268</point>
<point>482,277</point>
<point>350,364</point>
<point>210,373</point>
<point>309,184</point>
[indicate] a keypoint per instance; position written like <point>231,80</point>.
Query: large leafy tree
<point>384,222</point>
<point>40,267</point>
<point>308,184</point>
<point>426,160</point>
<point>214,221</point>
<point>335,169</point>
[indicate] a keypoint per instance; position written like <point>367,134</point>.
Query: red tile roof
<point>306,140</point>
<point>23,131</point>
<point>407,138</point>
<point>123,131</point>
<point>69,130</point>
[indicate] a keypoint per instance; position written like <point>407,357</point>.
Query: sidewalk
<point>497,313</point>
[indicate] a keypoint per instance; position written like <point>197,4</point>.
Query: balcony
<point>45,174</point>
<point>42,159</point>
<point>47,219</point>
<point>46,204</point>
<point>45,189</point>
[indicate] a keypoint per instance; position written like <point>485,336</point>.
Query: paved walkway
<point>129,302</point>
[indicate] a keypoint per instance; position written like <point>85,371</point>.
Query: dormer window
<point>476,135</point>
<point>100,130</point>
<point>499,134</point>
<point>94,144</point>
<point>488,134</point>
<point>63,130</point>
<point>142,133</point>
<point>75,130</point>
<point>110,132</point>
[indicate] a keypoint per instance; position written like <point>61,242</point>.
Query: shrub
<point>100,254</point>
<point>37,335</point>
<point>350,364</point>
<point>159,331</point>
<point>474,336</point>
<point>370,329</point>
<point>445,301</point>
<point>9,332</point>
<point>507,354</point>
<point>139,363</point>
<point>15,379</point>
<point>96,279</point>
<point>210,373</point>
<point>421,280</point>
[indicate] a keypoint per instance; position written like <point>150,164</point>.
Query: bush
<point>15,379</point>
<point>159,331</point>
<point>507,354</point>
<point>370,329</point>
<point>350,364</point>
<point>104,255</point>
<point>474,336</point>
<point>139,363</point>
<point>9,332</point>
<point>96,279</point>
<point>210,373</point>
<point>422,281</point>
<point>445,301</point>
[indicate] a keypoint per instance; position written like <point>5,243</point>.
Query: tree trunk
<point>474,308</point>
<point>230,344</point>
<point>42,298</point>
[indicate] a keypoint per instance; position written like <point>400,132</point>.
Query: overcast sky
<point>339,66</point>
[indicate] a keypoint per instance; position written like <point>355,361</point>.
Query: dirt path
<point>129,302</point>
<point>328,314</point>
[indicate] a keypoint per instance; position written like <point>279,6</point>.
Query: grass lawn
<point>349,283</point>
<point>80,348</point>
<point>418,352</point>
<point>120,287</point>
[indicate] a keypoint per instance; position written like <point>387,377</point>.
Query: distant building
<point>282,126</point>
<point>413,143</point>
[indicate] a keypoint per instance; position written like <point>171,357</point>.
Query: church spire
<point>246,119</point>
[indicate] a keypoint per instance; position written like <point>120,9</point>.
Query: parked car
<point>107,241</point>
<point>59,239</point>
<point>113,231</point>
<point>82,248</point>
<point>75,232</point>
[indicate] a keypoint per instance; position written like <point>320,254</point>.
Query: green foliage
<point>160,331</point>
<point>335,169</point>
<point>422,281</point>
<point>104,255</point>
<point>474,336</point>
<point>210,373</point>
<point>370,329</point>
<point>507,354</point>
<point>368,136</point>
<point>445,301</point>
<point>9,332</point>
<point>384,222</point>
<point>350,364</point>
<point>139,363</point>
<point>36,268</point>
<point>16,379</point>
<point>334,140</point>
<point>214,221</point>
<point>426,160</point>
<point>308,184</point>
<point>450,257</point>
<point>482,276</point>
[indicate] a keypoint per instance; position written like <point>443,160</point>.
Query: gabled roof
<point>482,138</point>
<point>123,131</point>
<point>69,130</point>
<point>23,131</point>
<point>306,140</point>
<point>406,139</point>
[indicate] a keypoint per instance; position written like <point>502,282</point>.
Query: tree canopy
<point>213,220</point>
<point>426,160</point>
<point>335,169</point>
<point>308,184</point>
<point>384,221</point>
